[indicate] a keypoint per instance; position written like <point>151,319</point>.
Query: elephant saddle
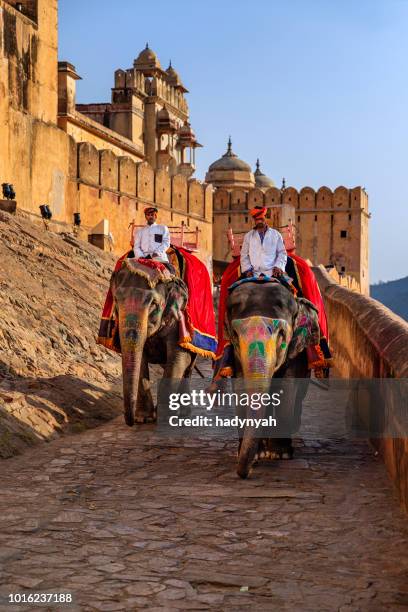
<point>196,322</point>
<point>305,284</point>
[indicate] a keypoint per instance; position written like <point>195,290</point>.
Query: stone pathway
<point>126,520</point>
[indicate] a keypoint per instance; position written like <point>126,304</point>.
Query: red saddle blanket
<point>197,325</point>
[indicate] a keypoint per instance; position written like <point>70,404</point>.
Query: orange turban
<point>257,212</point>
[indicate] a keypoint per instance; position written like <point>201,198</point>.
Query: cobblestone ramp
<point>125,520</point>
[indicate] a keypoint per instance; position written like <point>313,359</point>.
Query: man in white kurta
<point>263,250</point>
<point>153,240</point>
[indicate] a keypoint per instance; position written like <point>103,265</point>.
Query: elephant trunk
<point>249,444</point>
<point>133,334</point>
<point>261,347</point>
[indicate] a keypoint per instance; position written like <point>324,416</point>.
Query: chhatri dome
<point>261,180</point>
<point>173,78</point>
<point>147,59</point>
<point>229,171</point>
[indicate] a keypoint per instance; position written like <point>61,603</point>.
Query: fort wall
<point>331,226</point>
<point>370,341</point>
<point>104,186</point>
<point>54,155</point>
<point>34,152</point>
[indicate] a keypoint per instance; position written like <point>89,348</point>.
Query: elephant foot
<point>129,415</point>
<point>129,420</point>
<point>280,449</point>
<point>244,473</point>
<point>142,419</point>
<point>248,453</point>
<point>263,452</point>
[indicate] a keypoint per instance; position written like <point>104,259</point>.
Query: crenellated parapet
<point>303,200</point>
<point>111,191</point>
<point>121,175</point>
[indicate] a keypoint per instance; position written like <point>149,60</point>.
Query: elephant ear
<point>176,300</point>
<point>306,329</point>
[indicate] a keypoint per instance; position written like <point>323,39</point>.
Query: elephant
<point>148,320</point>
<point>269,330</point>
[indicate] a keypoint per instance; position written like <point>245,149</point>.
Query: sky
<point>317,89</point>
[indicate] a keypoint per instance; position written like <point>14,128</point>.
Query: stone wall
<point>34,153</point>
<point>331,226</point>
<point>83,167</point>
<point>103,185</point>
<point>370,341</point>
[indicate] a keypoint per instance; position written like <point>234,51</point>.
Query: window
<point>349,216</point>
<point>315,217</point>
<point>343,233</point>
<point>298,218</point>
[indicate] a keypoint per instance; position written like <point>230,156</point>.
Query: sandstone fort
<point>106,161</point>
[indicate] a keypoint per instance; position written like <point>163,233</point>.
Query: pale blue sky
<point>317,89</point>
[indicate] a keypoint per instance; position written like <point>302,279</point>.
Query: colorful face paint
<point>260,343</point>
<point>132,322</point>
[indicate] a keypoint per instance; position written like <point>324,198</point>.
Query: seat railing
<point>235,239</point>
<point>180,235</point>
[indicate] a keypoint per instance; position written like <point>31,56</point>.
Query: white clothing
<point>151,239</point>
<point>260,256</point>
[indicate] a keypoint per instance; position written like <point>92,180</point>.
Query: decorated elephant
<point>147,308</point>
<point>269,330</point>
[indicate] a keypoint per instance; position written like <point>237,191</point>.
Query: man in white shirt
<point>263,250</point>
<point>152,241</point>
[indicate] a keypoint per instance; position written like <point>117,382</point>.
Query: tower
<point>150,109</point>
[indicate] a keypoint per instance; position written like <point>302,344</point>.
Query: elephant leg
<point>189,369</point>
<point>185,384</point>
<point>176,378</point>
<point>257,454</point>
<point>145,409</point>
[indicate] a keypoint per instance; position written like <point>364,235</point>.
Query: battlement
<point>122,176</point>
<point>303,200</point>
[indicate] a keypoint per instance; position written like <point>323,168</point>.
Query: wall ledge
<point>384,329</point>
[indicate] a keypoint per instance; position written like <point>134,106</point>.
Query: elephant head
<point>142,312</point>
<point>267,327</point>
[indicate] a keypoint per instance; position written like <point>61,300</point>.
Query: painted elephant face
<point>140,314</point>
<point>260,344</point>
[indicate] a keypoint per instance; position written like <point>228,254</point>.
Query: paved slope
<point>126,520</point>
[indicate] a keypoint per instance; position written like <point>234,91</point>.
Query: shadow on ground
<point>39,409</point>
